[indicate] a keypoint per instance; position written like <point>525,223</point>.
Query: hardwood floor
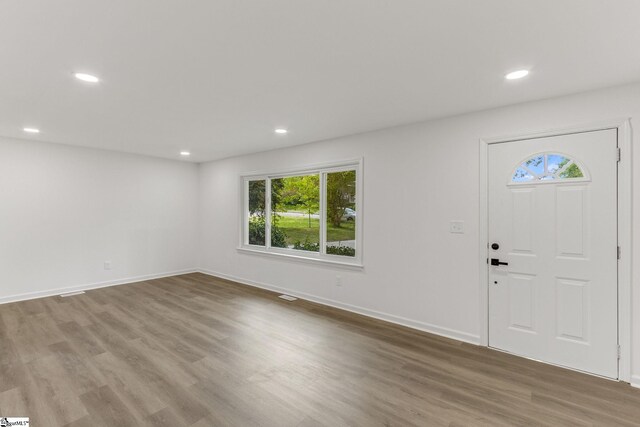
<point>193,350</point>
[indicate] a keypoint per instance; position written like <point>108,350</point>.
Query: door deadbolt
<point>495,246</point>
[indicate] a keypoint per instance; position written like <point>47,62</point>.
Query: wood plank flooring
<point>198,351</point>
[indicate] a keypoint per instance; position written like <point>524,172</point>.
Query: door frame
<point>623,126</point>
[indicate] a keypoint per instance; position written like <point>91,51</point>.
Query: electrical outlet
<point>338,280</point>
<point>456,227</point>
<point>107,265</point>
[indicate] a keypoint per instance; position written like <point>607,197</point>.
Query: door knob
<point>496,262</point>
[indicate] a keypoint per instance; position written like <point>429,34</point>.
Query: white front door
<point>553,231</point>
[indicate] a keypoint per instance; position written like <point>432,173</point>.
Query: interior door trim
<point>623,127</point>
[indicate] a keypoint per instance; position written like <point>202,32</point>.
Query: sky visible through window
<point>546,167</point>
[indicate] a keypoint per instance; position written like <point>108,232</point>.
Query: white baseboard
<point>414,324</point>
<point>635,381</point>
<point>124,281</point>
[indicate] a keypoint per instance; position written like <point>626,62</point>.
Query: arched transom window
<point>548,167</point>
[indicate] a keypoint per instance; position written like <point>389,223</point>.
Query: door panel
<point>521,301</point>
<point>570,222</point>
<point>552,208</point>
<point>572,309</point>
<point>522,208</point>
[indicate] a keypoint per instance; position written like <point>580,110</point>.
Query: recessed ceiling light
<point>86,77</point>
<point>31,130</point>
<point>185,153</point>
<point>514,75</point>
<point>281,131</point>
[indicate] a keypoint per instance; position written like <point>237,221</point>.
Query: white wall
<point>417,178</point>
<point>65,210</point>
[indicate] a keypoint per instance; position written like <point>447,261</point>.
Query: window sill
<point>302,258</point>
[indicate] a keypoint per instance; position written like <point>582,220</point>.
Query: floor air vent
<point>288,297</point>
<point>70,294</point>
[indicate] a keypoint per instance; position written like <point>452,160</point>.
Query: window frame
<point>295,254</point>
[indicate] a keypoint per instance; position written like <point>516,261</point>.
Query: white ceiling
<point>217,76</point>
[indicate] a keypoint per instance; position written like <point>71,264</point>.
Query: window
<point>341,213</point>
<point>547,167</point>
<point>311,213</point>
<point>295,208</point>
<point>257,221</point>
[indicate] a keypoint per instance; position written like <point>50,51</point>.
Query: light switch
<point>456,227</point>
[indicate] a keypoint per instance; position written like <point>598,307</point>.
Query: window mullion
<point>322,214</point>
<point>267,209</point>
<point>245,216</point>
<point>359,219</point>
